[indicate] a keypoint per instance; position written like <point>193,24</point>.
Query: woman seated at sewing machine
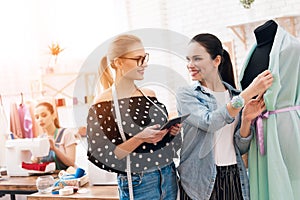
<point>62,140</point>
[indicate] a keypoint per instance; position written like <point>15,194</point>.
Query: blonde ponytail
<point>105,75</point>
<point>120,45</point>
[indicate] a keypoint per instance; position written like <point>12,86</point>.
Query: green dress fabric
<point>276,175</point>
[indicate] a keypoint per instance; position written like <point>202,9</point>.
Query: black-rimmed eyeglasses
<point>141,60</point>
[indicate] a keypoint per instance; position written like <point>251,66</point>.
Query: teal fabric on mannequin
<point>276,174</point>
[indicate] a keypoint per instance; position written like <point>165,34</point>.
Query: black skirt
<point>227,185</point>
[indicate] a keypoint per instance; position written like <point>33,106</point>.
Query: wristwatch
<point>237,102</point>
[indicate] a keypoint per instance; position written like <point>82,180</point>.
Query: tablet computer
<point>176,120</point>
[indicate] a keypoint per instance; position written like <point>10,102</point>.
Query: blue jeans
<point>157,184</point>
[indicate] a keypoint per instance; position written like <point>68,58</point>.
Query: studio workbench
<point>26,186</point>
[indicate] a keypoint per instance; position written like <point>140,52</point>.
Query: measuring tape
<point>119,120</point>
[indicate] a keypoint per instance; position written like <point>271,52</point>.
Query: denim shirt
<point>197,167</point>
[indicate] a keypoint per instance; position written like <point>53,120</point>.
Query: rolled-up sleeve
<point>242,143</point>
<point>201,107</point>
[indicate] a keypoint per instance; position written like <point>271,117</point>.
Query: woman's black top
<point>137,113</point>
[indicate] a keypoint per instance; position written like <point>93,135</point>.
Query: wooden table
<point>92,193</point>
<point>26,185</point>
<point>17,185</point>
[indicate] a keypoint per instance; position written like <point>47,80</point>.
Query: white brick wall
<point>190,17</point>
<point>26,35</point>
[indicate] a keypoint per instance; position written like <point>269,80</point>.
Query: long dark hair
<point>214,47</point>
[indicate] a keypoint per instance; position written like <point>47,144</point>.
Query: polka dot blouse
<point>137,113</point>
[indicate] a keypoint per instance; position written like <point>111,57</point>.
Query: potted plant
<point>55,50</point>
<point>247,3</point>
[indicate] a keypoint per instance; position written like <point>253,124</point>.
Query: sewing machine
<point>21,150</point>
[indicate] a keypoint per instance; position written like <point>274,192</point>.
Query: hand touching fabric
<point>253,109</point>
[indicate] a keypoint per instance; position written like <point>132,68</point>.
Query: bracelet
<point>237,102</point>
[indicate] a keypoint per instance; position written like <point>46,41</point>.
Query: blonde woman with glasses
<point>123,130</point>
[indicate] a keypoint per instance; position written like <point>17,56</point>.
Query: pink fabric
<point>15,124</point>
<point>27,123</point>
<point>21,113</point>
<point>260,128</point>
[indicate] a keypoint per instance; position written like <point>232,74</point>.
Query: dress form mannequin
<point>259,60</point>
<point>281,123</point>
